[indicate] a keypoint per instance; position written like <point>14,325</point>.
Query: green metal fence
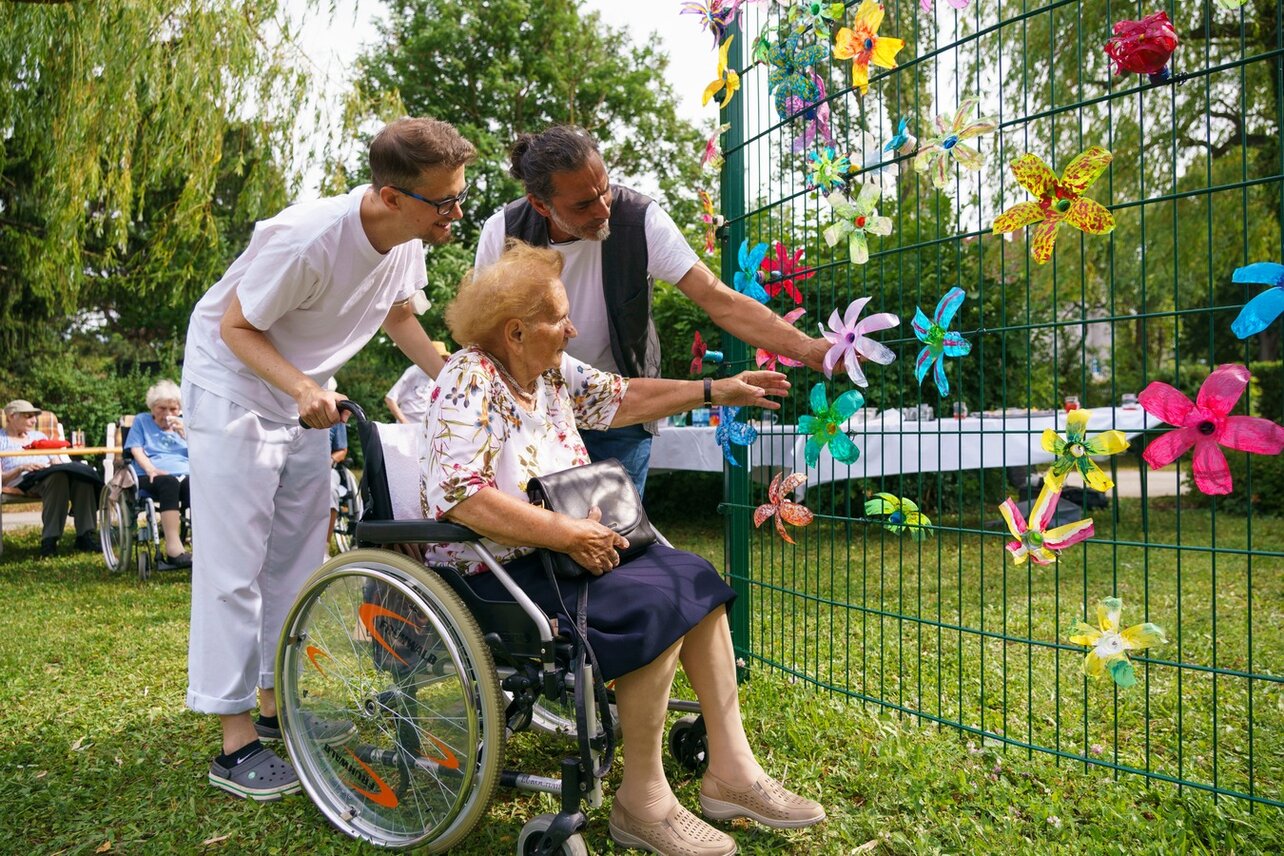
<point>948,630</point>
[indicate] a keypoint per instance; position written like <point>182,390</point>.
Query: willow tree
<point>117,119</point>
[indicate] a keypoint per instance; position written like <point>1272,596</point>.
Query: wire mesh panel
<point>1093,219</point>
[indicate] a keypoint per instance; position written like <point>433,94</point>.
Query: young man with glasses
<point>316,283</point>
<point>614,242</point>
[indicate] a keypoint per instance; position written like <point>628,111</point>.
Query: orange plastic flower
<point>863,45</point>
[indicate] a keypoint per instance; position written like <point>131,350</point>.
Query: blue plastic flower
<point>901,138</point>
<point>938,340</point>
<point>825,425</point>
<point>732,432</point>
<point>1260,312</point>
<point>748,280</point>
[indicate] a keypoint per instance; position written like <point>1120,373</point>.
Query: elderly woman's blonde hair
<point>162,390</point>
<point>516,285</point>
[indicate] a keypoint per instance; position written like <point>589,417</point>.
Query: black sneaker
<point>182,560</point>
<point>88,542</point>
<point>48,547</point>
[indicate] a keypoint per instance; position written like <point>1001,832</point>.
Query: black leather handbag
<point>605,484</point>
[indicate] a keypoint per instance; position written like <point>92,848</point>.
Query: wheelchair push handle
<point>350,406</point>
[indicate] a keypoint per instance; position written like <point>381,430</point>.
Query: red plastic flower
<point>1207,425</point>
<point>784,271</point>
<point>1144,47</point>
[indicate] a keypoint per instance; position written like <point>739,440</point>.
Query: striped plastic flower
<point>1060,200</point>
<point>950,141</point>
<point>1110,645</point>
<point>1035,541</point>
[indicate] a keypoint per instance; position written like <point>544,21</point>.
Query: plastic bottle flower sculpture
<point>950,142</point>
<point>856,220</point>
<point>1207,426</point>
<point>700,352</point>
<point>1035,541</point>
<point>827,169</point>
<point>784,510</point>
<point>848,340</point>
<point>767,360</point>
<point>1075,452</point>
<point>938,340</point>
<point>730,432</point>
<point>863,45</point>
<point>816,16</point>
<point>902,142</point>
<point>715,15</point>
<point>791,76</point>
<point>815,116</point>
<point>1060,200</point>
<point>784,272</point>
<point>957,4</point>
<point>748,280</point>
<point>1260,312</point>
<point>1144,47</point>
<point>825,425</point>
<point>1110,645</point>
<point>712,221</point>
<point>902,515</point>
<point>712,158</point>
<point>727,80</point>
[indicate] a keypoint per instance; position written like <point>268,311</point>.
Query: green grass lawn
<point>100,753</point>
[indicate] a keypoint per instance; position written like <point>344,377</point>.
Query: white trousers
<point>260,508</point>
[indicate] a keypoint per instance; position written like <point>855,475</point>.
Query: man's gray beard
<point>583,234</point>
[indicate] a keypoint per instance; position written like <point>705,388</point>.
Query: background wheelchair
<point>350,508</point>
<point>434,679</point>
<point>129,531</point>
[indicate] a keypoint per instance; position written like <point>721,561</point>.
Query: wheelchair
<point>435,679</point>
<point>129,531</point>
<point>350,505</point>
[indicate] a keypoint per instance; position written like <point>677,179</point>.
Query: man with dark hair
<point>615,243</point>
<point>315,284</point>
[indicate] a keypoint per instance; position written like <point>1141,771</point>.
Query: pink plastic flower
<point>1207,425</point>
<point>1035,541</point>
<point>847,340</point>
<point>1144,47</point>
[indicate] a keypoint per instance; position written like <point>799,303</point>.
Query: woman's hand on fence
<point>593,545</point>
<point>751,389</point>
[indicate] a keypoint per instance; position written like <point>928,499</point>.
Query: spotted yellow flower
<point>1110,645</point>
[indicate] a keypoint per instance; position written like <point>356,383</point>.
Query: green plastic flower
<point>902,515</point>
<point>825,425</point>
<point>1075,452</point>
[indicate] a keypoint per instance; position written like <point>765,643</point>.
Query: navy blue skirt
<point>635,612</point>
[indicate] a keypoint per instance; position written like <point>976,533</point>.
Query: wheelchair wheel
<point>389,701</point>
<point>350,511</point>
<point>528,839</point>
<point>688,742</point>
<point>116,522</point>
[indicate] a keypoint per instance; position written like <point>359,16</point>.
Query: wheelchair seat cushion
<point>635,612</point>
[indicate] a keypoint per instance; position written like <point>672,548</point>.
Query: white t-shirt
<point>311,280</point>
<point>669,258</point>
<point>411,392</point>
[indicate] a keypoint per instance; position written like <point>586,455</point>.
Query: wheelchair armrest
<point>411,532</point>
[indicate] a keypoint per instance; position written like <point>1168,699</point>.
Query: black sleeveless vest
<point>625,282</point>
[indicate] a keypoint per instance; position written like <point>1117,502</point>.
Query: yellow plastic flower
<point>1076,452</point>
<point>862,44</point>
<point>1110,645</point>
<point>728,79</point>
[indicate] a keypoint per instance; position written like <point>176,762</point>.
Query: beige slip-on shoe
<point>765,801</point>
<point>679,834</point>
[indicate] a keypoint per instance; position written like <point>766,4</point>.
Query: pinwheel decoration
<point>848,340</point>
<point>816,16</point>
<point>1035,541</point>
<point>824,426</point>
<point>781,508</point>
<point>1144,47</point>
<point>712,158</point>
<point>856,220</point>
<point>1060,200</point>
<point>1110,645</point>
<point>1207,425</point>
<point>714,15</point>
<point>748,280</point>
<point>957,4</point>
<point>784,271</point>
<point>767,360</point>
<point>1260,312</point>
<point>727,80</point>
<point>827,169</point>
<point>864,46</point>
<point>700,352</point>
<point>815,116</point>
<point>902,515</point>
<point>939,341</point>
<point>791,76</point>
<point>731,432</point>
<point>712,221</point>
<point>1075,452</point>
<point>902,142</point>
<point>950,141</point>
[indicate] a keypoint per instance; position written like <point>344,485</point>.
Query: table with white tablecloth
<point>889,445</point>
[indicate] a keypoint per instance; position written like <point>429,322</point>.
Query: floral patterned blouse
<point>476,436</point>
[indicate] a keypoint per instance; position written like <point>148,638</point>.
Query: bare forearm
<point>510,521</point>
<point>650,398</point>
<point>253,348</point>
<point>395,410</point>
<point>144,460</point>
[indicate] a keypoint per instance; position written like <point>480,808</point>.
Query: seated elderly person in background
<point>509,406</point>
<point>157,444</point>
<point>52,478</point>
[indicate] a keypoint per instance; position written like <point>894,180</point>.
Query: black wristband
<point>708,392</point>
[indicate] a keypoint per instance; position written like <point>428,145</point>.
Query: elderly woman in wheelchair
<point>507,408</point>
<point>157,445</point>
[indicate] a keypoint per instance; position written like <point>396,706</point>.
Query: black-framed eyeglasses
<point>443,206</point>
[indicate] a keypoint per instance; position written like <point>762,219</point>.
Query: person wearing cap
<point>56,489</point>
<point>616,242</point>
<point>316,283</point>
